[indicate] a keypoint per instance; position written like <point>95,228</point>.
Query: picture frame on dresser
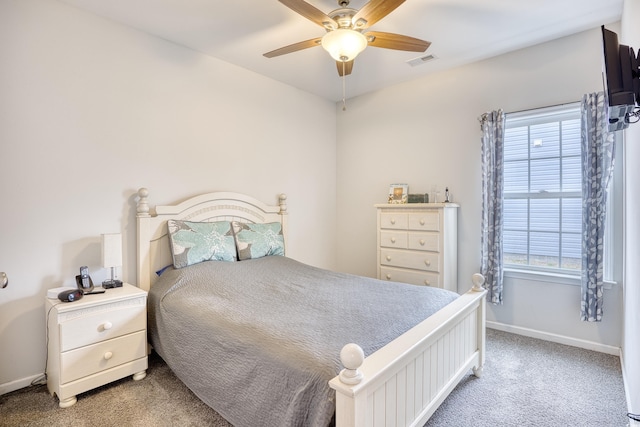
<point>398,193</point>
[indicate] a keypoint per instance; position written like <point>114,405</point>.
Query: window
<point>542,190</point>
<point>543,195</point>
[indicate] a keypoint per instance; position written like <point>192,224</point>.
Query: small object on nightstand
<point>70,295</point>
<point>54,292</point>
<point>83,280</point>
<point>85,283</point>
<point>112,257</point>
<point>446,195</point>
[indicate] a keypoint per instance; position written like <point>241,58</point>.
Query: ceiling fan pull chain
<point>344,88</point>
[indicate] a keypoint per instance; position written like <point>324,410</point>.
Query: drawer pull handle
<point>393,221</point>
<point>107,325</point>
<point>427,262</point>
<point>421,242</point>
<point>422,222</point>
<point>426,282</point>
<point>388,257</point>
<point>388,277</point>
<point>108,355</point>
<point>393,240</point>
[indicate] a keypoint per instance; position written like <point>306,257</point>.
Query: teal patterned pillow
<point>258,240</point>
<point>194,242</point>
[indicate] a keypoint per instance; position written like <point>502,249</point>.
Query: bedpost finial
<point>352,357</point>
<point>478,281</point>
<point>282,201</point>
<point>143,203</point>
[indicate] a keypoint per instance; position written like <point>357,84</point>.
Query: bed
<point>225,328</point>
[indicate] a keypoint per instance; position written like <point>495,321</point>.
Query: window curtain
<point>492,125</point>
<point>598,149</point>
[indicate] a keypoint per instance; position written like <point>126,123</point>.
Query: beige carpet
<point>160,399</point>
<point>526,382</point>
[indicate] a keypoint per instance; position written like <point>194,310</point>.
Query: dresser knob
<point>107,325</point>
<point>426,282</point>
<point>421,242</point>
<point>108,355</point>
<point>388,257</point>
<point>422,222</point>
<point>393,240</point>
<point>427,262</point>
<point>388,276</point>
<point>393,221</point>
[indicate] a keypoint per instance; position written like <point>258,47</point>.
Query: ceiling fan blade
<point>344,68</point>
<point>310,12</point>
<point>294,47</point>
<point>374,11</point>
<point>396,41</point>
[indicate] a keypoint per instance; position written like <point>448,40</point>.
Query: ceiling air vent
<point>421,60</point>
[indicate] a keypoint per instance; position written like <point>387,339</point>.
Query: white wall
<point>426,133</point>
<point>90,111</point>
<point>630,35</point>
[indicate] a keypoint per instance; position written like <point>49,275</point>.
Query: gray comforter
<point>258,340</point>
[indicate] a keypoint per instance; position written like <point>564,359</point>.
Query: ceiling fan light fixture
<point>344,44</point>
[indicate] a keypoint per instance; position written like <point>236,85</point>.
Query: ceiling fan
<point>347,33</point>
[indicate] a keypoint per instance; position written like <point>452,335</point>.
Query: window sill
<point>542,276</point>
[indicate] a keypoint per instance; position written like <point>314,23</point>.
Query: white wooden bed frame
<point>401,384</point>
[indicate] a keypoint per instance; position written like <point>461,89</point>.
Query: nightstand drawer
<point>88,360</point>
<point>411,277</point>
<point>417,260</point>
<point>102,323</point>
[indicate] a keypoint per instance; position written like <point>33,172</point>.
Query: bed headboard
<point>153,252</point>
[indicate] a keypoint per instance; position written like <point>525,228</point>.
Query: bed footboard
<point>403,383</point>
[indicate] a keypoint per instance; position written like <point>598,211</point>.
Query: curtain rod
<point>540,108</point>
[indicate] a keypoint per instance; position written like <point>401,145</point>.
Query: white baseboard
<point>17,384</point>
<point>560,339</point>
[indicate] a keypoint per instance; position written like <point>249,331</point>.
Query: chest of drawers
<point>95,340</point>
<point>418,244</point>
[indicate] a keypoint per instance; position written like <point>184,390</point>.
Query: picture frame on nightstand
<point>398,193</point>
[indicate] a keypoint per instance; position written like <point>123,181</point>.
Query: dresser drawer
<point>423,241</point>
<point>101,323</point>
<point>393,239</point>
<point>427,221</point>
<point>393,220</point>
<point>417,260</point>
<point>411,277</point>
<point>91,359</point>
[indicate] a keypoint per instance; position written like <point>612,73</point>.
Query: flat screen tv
<point>621,80</point>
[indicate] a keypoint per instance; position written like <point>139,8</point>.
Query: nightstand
<point>95,340</point>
